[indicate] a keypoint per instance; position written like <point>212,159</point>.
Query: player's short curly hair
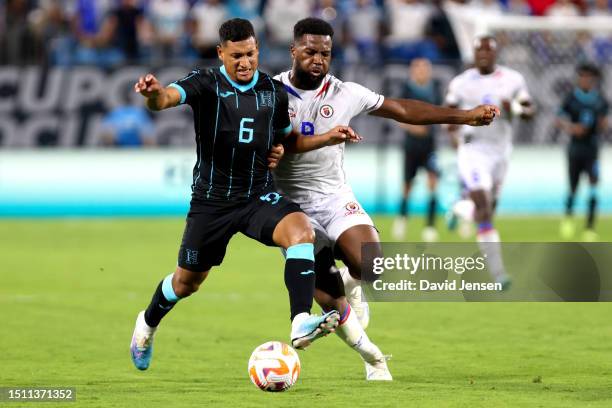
<point>588,68</point>
<point>236,29</point>
<point>312,25</point>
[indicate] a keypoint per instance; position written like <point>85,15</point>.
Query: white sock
<point>489,243</point>
<point>142,325</point>
<point>349,282</point>
<point>351,332</point>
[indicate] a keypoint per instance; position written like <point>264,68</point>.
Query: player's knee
<point>186,283</point>
<point>304,234</point>
<point>362,266</point>
<point>185,288</point>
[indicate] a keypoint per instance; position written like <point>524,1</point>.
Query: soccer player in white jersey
<point>316,179</point>
<point>483,154</point>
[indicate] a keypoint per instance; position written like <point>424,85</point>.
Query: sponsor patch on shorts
<point>353,207</point>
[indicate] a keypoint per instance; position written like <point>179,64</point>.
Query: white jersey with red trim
<point>304,175</point>
<point>471,88</point>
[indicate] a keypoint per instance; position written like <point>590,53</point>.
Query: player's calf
<point>186,282</point>
<point>169,291</point>
<point>295,234</point>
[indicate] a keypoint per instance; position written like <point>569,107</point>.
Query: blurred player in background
<point>583,117</point>
<point>239,114</point>
<point>317,181</point>
<point>128,126</point>
<point>420,149</point>
<point>483,153</point>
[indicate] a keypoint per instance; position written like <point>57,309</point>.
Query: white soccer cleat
<point>378,370</point>
<point>466,229</point>
<point>306,328</point>
<point>464,209</point>
<point>398,230</point>
<point>567,229</point>
<point>355,298</point>
<point>141,346</point>
<point>429,234</point>
<point>590,236</point>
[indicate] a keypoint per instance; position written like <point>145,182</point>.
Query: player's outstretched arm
<point>421,113</point>
<point>156,96</point>
<point>298,143</point>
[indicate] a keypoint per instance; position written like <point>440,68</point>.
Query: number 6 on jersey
<point>244,129</point>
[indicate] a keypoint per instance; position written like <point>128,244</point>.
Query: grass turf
<point>70,290</point>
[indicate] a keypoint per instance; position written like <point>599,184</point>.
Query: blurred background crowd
<point>67,66</point>
<point>111,32</point>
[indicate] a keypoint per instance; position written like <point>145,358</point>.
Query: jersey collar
<point>322,89</point>
<point>587,98</point>
<point>493,73</point>
<point>241,88</point>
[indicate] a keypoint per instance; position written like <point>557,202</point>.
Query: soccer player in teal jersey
<point>583,117</point>
<point>239,114</point>
<point>420,149</point>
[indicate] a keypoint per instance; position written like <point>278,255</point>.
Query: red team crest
<point>353,207</point>
<point>326,111</point>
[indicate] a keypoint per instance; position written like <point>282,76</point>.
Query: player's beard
<point>307,81</point>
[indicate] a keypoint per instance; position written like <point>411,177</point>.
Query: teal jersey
<point>587,109</point>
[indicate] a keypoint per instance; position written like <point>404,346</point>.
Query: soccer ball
<point>274,366</point>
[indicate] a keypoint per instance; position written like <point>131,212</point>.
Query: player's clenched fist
<point>148,86</point>
<point>275,155</point>
<point>483,115</point>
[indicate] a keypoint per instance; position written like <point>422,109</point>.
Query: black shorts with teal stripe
<point>583,161</point>
<point>211,224</point>
<point>420,158</point>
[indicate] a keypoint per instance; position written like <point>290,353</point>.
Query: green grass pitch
<point>70,291</point>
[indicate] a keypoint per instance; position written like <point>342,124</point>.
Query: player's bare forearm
<point>157,102</point>
<point>573,129</point>
<point>298,143</point>
<point>528,110</point>
<point>422,113</point>
<point>563,124</point>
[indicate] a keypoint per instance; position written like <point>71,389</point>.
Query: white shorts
<point>482,170</point>
<point>332,214</point>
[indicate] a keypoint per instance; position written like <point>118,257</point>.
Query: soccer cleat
<point>567,229</point>
<point>466,229</point>
<point>378,370</point>
<point>398,230</point>
<point>506,283</point>
<point>355,298</point>
<point>590,236</point>
<point>429,234</point>
<point>451,220</point>
<point>307,328</point>
<point>141,348</point>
